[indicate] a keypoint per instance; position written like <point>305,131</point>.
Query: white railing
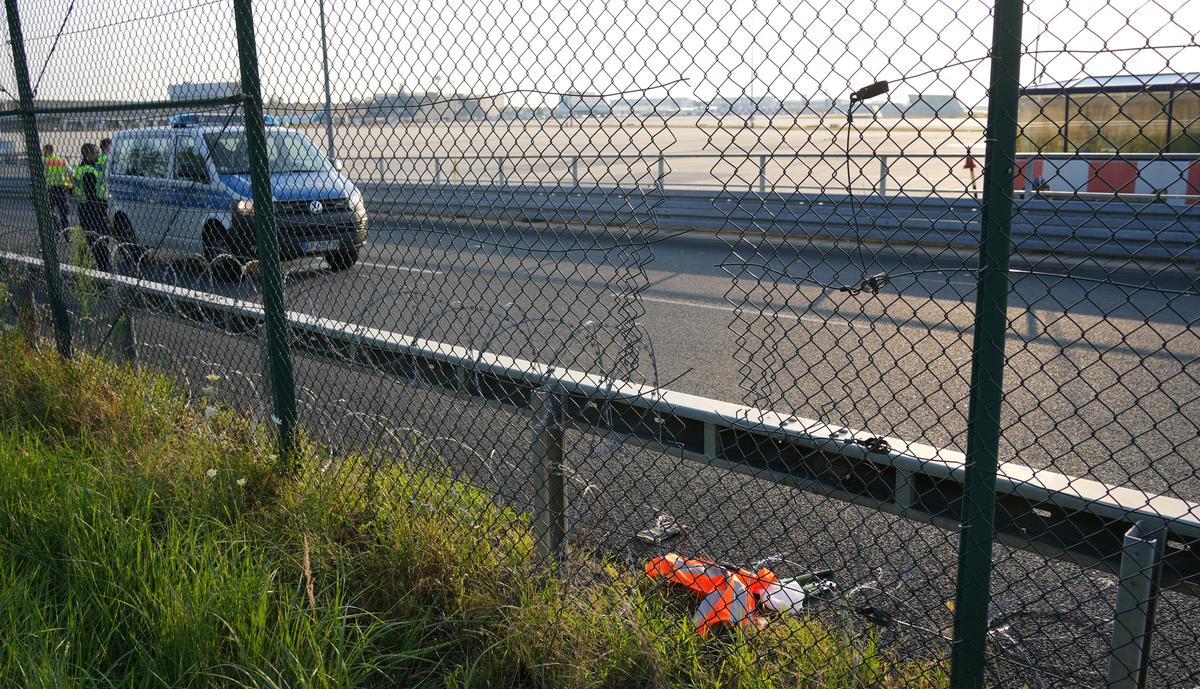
<point>875,172</point>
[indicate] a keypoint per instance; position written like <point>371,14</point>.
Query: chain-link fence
<point>847,291</point>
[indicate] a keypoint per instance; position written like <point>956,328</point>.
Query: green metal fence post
<point>37,184</point>
<point>968,653</point>
<point>279,356</point>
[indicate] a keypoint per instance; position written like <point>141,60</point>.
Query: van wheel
<point>343,259</point>
<point>220,259</point>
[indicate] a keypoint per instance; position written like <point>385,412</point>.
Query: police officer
<point>102,161</point>
<point>93,205</point>
<point>58,185</point>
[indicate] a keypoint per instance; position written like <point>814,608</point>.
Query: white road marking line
<point>791,316</point>
<point>407,269</point>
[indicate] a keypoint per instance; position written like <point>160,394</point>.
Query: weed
<point>145,543</point>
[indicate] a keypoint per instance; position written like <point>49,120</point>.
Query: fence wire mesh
<point>671,267</point>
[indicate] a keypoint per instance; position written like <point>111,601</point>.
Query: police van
<point>185,189</point>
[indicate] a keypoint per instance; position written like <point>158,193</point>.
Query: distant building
<point>195,91</point>
<point>664,106</point>
<point>744,106</point>
<point>891,109</point>
<point>403,105</point>
<point>575,105</point>
<point>842,106</point>
<point>690,106</point>
<point>930,105</point>
<point>811,106</point>
<point>565,105</point>
<point>921,105</point>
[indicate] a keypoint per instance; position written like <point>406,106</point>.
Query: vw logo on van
<point>316,207</point>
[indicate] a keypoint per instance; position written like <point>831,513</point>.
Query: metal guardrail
<point>1104,226</point>
<point>761,172</point>
<point>1113,228</point>
<point>871,171</point>
<point>1051,514</point>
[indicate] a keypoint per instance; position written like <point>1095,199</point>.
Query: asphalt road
<point>1101,382</point>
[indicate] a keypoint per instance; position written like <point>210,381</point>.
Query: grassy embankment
<point>146,540</point>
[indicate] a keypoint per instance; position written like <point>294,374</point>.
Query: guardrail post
<point>124,341</point>
<point>24,307</point>
<point>575,171</point>
<point>279,357</point>
<point>883,175</point>
<point>968,654</point>
<point>550,520</point>
<point>1137,597</point>
<point>37,185</point>
<point>762,174</point>
<point>437,171</point>
<point>500,179</point>
<point>662,173</point>
<point>126,337</point>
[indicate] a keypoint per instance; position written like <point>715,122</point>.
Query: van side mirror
<point>337,165</point>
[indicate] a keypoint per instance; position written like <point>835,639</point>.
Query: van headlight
<point>355,199</point>
<point>245,206</point>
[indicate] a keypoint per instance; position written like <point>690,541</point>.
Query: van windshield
<point>288,152</point>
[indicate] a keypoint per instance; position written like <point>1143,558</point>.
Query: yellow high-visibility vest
<point>56,171</point>
<point>83,171</point>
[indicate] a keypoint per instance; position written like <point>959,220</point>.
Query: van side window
<point>147,157</point>
<point>118,161</point>
<point>189,162</point>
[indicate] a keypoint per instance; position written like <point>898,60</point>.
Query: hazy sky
<point>798,48</point>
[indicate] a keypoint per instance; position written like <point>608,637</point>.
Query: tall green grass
<point>147,543</point>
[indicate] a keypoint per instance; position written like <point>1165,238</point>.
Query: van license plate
<point>324,245</point>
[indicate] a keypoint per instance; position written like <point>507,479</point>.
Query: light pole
<point>329,152</point>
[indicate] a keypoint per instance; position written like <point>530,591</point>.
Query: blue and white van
<point>185,189</point>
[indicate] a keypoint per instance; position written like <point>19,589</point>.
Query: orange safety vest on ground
<point>727,597</point>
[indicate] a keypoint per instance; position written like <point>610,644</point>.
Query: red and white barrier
<point>1178,179</point>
